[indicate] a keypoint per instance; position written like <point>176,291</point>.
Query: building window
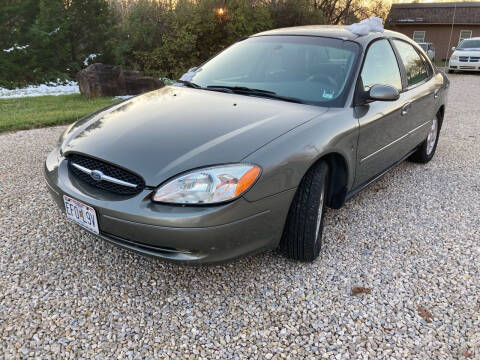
<point>419,36</point>
<point>465,34</point>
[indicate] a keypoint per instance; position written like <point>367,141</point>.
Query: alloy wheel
<point>432,136</point>
<point>320,213</point>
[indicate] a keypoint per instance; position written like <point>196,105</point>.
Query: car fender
<point>285,160</point>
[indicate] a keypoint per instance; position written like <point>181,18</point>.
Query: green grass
<point>41,111</point>
<point>440,63</point>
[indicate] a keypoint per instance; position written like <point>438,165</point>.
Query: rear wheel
<point>426,151</point>
<point>302,236</point>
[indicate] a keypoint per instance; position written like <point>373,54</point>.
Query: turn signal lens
<point>247,180</point>
<point>209,185</point>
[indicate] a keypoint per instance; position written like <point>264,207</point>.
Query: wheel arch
<point>441,114</point>
<point>338,177</point>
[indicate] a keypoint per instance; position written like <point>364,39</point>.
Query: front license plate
<point>81,214</point>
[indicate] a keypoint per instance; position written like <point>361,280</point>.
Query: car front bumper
<point>463,66</point>
<point>194,234</point>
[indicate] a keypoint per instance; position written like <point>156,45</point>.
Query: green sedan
<point>245,152</point>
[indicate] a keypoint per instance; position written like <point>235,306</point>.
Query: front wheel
<point>302,235</point>
<point>426,151</point>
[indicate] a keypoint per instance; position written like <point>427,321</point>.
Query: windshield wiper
<point>196,86</point>
<point>241,88</point>
<point>189,84</point>
<point>256,92</point>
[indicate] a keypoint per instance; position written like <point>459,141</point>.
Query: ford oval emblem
<point>96,175</point>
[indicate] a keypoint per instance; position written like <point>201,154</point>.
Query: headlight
<point>209,185</point>
<point>454,57</point>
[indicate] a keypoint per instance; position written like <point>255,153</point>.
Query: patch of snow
<point>364,27</point>
<point>54,31</point>
<point>16,47</point>
<point>166,80</point>
<point>51,88</point>
<point>89,57</point>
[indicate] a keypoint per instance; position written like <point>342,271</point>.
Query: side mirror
<point>453,48</point>
<point>383,93</point>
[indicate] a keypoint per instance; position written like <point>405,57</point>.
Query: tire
<point>427,149</point>
<point>302,235</point>
<point>450,71</point>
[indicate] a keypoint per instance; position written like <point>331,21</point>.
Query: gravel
<point>398,276</point>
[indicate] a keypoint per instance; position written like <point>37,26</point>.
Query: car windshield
<point>424,46</point>
<point>314,70</point>
<point>469,44</point>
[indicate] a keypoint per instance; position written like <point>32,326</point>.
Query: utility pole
<point>451,33</point>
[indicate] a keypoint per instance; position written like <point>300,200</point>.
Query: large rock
<point>99,80</point>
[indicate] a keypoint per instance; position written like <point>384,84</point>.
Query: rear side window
<point>414,65</point>
<point>380,66</point>
<point>427,65</point>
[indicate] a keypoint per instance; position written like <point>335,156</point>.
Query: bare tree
<point>334,12</point>
<point>346,11</point>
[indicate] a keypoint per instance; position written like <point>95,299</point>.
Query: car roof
<point>473,38</point>
<point>332,31</point>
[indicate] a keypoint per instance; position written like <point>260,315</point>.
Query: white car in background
<point>466,57</point>
<point>429,50</point>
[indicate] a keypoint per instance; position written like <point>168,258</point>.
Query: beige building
<point>432,22</point>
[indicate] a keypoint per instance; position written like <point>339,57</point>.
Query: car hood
<point>165,132</point>
<point>467,53</point>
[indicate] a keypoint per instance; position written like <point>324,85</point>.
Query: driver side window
<point>380,66</point>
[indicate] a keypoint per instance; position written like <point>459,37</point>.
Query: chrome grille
<point>469,58</point>
<point>80,166</point>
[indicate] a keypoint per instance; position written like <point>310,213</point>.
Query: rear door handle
<point>405,108</point>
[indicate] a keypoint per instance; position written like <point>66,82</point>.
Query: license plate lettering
<point>81,214</point>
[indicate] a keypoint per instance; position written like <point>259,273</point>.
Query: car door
<point>382,129</point>
<point>422,90</point>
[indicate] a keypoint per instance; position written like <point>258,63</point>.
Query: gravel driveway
<point>412,240</point>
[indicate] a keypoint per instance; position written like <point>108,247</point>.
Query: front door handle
<point>405,108</point>
<point>436,94</point>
